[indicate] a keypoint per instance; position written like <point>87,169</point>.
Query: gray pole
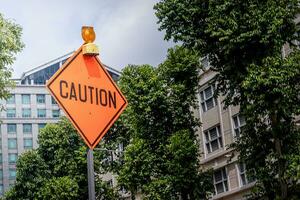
<point>91,175</point>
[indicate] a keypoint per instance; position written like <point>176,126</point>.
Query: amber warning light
<point>89,36</point>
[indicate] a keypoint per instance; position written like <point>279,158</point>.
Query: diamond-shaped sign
<point>88,95</point>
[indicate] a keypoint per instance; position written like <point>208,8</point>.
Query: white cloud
<point>126,30</point>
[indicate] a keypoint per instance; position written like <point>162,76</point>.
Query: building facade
<point>220,127</point>
<point>29,109</point>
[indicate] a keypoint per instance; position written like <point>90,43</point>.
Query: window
<point>205,63</point>
<point>207,99</point>
<point>40,98</point>
<point>41,113</point>
<point>239,122</point>
<point>213,139</point>
<point>11,99</point>
<point>220,181</point>
<point>10,112</point>
<point>27,128</point>
<point>12,143</point>
<point>12,158</point>
<point>244,176</point>
<point>27,143</point>
<point>25,98</point>
<point>55,113</point>
<point>1,158</point>
<point>26,112</point>
<point>53,101</point>
<point>11,128</point>
<point>12,174</point>
<point>40,126</point>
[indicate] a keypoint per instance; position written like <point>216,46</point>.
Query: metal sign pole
<point>91,175</point>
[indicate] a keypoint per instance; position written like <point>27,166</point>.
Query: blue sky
<point>126,30</point>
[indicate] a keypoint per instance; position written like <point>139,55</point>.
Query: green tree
<point>244,42</point>
<point>10,44</point>
<point>57,169</point>
<point>161,159</point>
<point>59,188</point>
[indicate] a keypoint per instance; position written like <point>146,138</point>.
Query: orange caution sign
<point>88,95</point>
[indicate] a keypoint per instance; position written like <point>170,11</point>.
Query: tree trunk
<point>281,166</point>
<point>278,153</point>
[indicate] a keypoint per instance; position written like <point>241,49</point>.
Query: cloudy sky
<point>126,30</point>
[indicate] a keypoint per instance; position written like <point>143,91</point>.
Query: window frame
<point>237,129</point>
<point>23,129</point>
<point>209,140</point>
<point>24,102</point>
<point>12,139</point>
<point>9,172</point>
<point>204,99</point>
<point>26,115</point>
<point>40,95</point>
<point>10,115</point>
<point>225,178</point>
<point>24,143</point>
<point>8,129</point>
<point>243,173</point>
<point>41,116</point>
<point>9,160</point>
<point>55,116</point>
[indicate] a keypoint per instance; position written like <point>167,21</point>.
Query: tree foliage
<point>161,159</point>
<point>10,44</point>
<point>57,169</point>
<point>244,41</point>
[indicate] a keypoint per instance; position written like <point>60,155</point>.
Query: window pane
<point>12,158</point>
<point>242,120</point>
<point>11,128</point>
<point>27,128</point>
<point>236,123</point>
<point>202,96</point>
<point>11,99</point>
<point>12,173</point>
<point>206,136</point>
<point>210,103</point>
<point>55,113</point>
<point>40,98</point>
<point>220,142</point>
<point>53,101</point>
<point>237,132</point>
<point>26,112</point>
<point>213,133</point>
<point>242,167</point>
<point>203,107</point>
<point>226,185</point>
<point>25,98</point>
<point>12,143</point>
<point>219,188</point>
<point>208,148</point>
<point>28,143</point>
<point>1,158</point>
<point>214,145</point>
<point>218,176</point>
<point>243,178</point>
<point>41,126</point>
<point>10,112</point>
<point>208,92</point>
<point>41,113</point>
